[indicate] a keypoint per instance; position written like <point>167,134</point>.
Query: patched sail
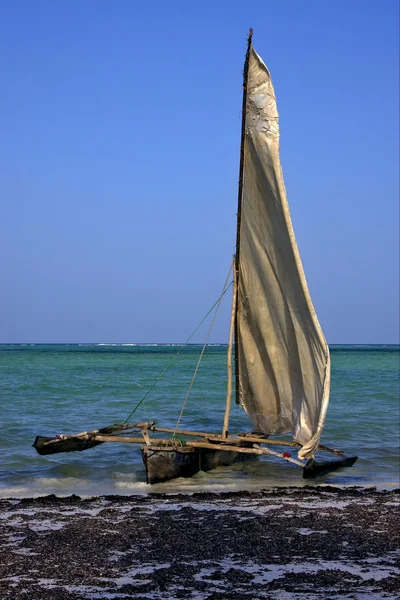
<point>283,364</point>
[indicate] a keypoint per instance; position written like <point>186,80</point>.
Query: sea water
<point>54,389</point>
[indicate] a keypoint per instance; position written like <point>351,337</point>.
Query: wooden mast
<point>229,355</point>
<point>239,209</point>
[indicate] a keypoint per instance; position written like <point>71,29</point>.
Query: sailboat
<point>282,363</point>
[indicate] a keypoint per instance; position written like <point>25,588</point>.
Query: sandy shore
<point>287,544</point>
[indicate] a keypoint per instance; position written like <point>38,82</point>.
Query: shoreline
<point>293,543</point>
<point>161,489</point>
<point>350,490</point>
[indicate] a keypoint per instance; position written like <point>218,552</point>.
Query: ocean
<point>67,388</point>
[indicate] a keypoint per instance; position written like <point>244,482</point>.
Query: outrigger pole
<point>89,439</point>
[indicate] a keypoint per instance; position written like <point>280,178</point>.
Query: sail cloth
<point>283,358</point>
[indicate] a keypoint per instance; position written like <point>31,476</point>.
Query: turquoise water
<point>51,389</point>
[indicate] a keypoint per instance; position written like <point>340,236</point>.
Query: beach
<point>286,543</point>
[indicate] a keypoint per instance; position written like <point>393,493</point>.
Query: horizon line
<point>172,343</point>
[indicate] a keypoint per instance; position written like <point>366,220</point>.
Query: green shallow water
<point>50,389</point>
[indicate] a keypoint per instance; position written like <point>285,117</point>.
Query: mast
<point>239,209</point>
<point>229,355</point>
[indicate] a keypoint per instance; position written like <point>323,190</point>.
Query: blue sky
<point>119,146</point>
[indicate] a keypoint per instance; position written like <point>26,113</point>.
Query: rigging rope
<point>218,302</point>
<point>224,290</point>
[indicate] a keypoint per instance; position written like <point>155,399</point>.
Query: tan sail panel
<point>283,358</point>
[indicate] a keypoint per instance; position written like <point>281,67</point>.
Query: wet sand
<point>286,544</point>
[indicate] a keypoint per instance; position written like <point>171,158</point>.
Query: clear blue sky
<point>119,149</point>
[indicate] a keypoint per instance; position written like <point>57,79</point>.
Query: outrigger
<point>174,457</point>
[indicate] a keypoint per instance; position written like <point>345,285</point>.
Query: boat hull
<point>163,464</point>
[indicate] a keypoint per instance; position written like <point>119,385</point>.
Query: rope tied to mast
<point>218,303</point>
<point>174,358</point>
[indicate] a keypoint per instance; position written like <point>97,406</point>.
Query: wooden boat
<point>282,362</point>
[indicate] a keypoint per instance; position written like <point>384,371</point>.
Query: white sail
<point>283,358</point>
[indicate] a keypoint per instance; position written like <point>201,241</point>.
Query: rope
<point>224,290</point>
<point>218,302</point>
